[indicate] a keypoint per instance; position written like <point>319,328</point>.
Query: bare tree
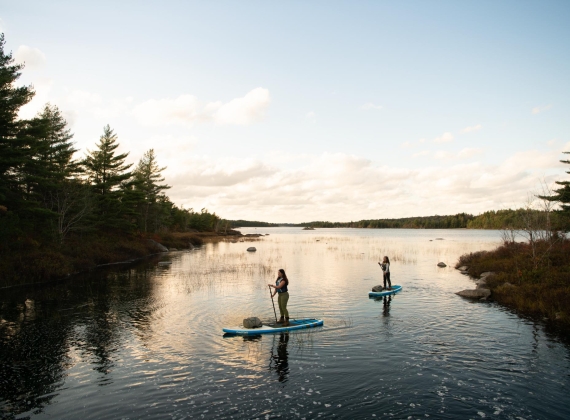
<point>536,224</point>
<point>72,204</point>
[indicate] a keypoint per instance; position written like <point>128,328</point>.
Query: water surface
<point>147,341</point>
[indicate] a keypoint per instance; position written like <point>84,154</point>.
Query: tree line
<point>47,194</point>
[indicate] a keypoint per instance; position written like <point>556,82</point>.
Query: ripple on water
<point>148,342</point>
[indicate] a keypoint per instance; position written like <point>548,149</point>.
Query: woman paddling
<point>385,266</point>
<point>280,287</point>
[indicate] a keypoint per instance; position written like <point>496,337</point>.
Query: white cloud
<point>370,105</point>
<point>421,154</point>
<point>244,111</point>
<point>469,152</point>
<point>466,153</point>
<point>311,116</point>
<point>32,58</point>
<point>539,109</point>
<point>187,109</point>
<point>472,128</point>
<point>342,187</point>
<point>444,138</point>
<point>81,98</point>
<point>43,87</point>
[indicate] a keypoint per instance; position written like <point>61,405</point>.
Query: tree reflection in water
<point>279,358</point>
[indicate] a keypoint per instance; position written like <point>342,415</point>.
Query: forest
<point>492,219</point>
<point>60,213</point>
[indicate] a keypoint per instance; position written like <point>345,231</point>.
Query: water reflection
<point>386,305</point>
<point>279,360</point>
<point>153,337</point>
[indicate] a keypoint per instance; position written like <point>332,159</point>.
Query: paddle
<point>273,303</point>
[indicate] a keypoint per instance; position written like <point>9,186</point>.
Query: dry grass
<point>534,287</point>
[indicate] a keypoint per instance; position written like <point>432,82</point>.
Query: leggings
<point>282,300</point>
<point>387,279</point>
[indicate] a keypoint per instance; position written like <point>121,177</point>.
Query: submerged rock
<point>252,249</point>
<point>441,264</point>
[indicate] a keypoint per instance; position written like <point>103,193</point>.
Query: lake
<point>146,341</point>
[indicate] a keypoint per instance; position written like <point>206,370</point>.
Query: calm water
<point>147,342</point>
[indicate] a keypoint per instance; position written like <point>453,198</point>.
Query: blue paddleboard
<point>395,289</point>
<point>294,324</point>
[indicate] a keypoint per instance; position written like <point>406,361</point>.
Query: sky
<point>297,111</point>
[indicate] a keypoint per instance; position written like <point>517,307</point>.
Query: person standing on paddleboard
<point>385,266</point>
<point>280,287</point>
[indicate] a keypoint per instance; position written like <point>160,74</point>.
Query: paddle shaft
<point>270,294</point>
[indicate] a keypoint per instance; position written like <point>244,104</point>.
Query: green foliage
<point>147,177</point>
<point>13,149</point>
<point>501,219</point>
<point>57,214</point>
<point>459,220</point>
<point>107,173</point>
<point>248,223</point>
<point>562,196</point>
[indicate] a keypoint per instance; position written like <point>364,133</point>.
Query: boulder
<point>463,268</point>
<point>475,294</point>
<point>441,264</point>
<point>486,274</point>
<point>156,246</point>
<point>252,322</point>
<point>378,288</point>
<point>251,249</point>
<point>481,284</point>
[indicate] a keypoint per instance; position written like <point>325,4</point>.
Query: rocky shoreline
<point>482,290</point>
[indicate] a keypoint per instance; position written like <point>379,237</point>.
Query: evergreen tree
<point>52,152</point>
<point>148,176</point>
<point>13,150</point>
<point>562,195</point>
<point>107,174</point>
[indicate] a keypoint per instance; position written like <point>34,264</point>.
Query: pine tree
<point>52,152</point>
<point>562,195</point>
<point>13,150</point>
<point>107,173</point>
<point>148,176</point>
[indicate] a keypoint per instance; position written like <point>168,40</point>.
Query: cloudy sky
<point>313,110</point>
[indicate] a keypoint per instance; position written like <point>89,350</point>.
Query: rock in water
<point>475,294</point>
<point>441,264</point>
<point>156,246</point>
<point>252,322</point>
<point>252,249</point>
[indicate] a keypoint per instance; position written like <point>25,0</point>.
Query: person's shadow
<point>279,358</point>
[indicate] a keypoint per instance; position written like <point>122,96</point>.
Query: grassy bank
<point>33,262</point>
<point>533,279</point>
